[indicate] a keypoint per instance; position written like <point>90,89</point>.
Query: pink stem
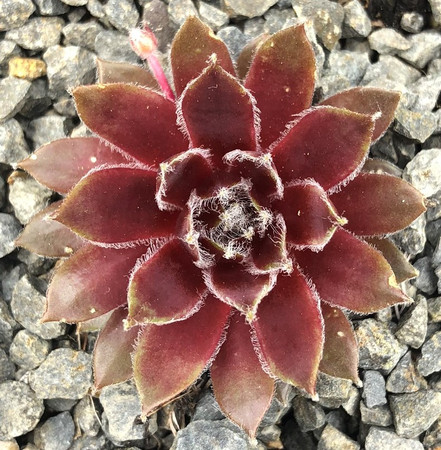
<point>159,74</point>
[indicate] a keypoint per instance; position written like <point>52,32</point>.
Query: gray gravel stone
<point>217,435</point>
<point>57,433</point>
<point>51,7</point>
<point>356,22</point>
<point>426,280</point>
<point>426,91</point>
<point>333,439</point>
<point>332,391</point>
<point>416,412</point>
<point>412,327</point>
<point>7,368</point>
<point>254,27</point>
<point>65,373</point>
<point>85,417</point>
<point>279,19</point>
<point>387,41</point>
<point>29,350</point>
<point>48,128</point>
<point>38,100</point>
<point>423,171</point>
<point>60,404</point>
<point>38,33</point>
<point>280,404</point>
<point>82,34</point>
<point>234,39</point>
<point>207,408</point>
<point>378,347</point>
<point>412,239</point>
<point>8,49</point>
<point>13,95</point>
<point>435,6</point>
<point>434,309</point>
<point>374,389</point>
<point>379,438</point>
<point>309,415</point>
<point>122,408</point>
<point>75,2</point>
<point>14,13</point>
<point>7,325</point>
<point>327,17</point>
<point>430,360</point>
<point>27,196</point>
<point>432,438</point>
<point>378,415</point>
<point>122,14</point>
<point>245,8</point>
<point>91,443</point>
<point>425,46</point>
<point>351,405</point>
<point>28,305</point>
<point>348,64</point>
<point>180,10</point>
<point>391,68</point>
<point>405,378</point>
<point>114,46</point>
<point>412,22</point>
<point>20,409</point>
<point>414,124</point>
<point>9,230</point>
<point>68,67</point>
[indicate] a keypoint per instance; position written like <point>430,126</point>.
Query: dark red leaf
<point>60,164</point>
<point>112,362</point>
<point>241,387</point>
<point>281,78</point>
<point>247,54</point>
<point>378,204</point>
<point>192,48</point>
<point>47,237</point>
<point>369,100</point>
<point>169,358</point>
<point>137,120</point>
<point>218,113</point>
<point>350,274</point>
<point>326,144</point>
<point>166,287</point>
<point>116,205</point>
<point>289,330</point>
<point>340,351</point>
<point>90,283</point>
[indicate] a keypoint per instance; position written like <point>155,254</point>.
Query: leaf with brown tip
<point>169,358</point>
<point>241,387</point>
<point>192,47</point>
<point>47,237</point>
<point>122,72</point>
<point>281,78</point>
<point>340,351</point>
<point>402,268</point>
<point>378,204</point>
<point>60,164</point>
<point>246,56</point>
<point>373,101</point>
<point>350,274</point>
<point>112,362</point>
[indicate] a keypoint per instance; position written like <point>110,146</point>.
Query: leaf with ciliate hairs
<point>241,387</point>
<point>60,164</point>
<point>182,350</point>
<point>192,47</point>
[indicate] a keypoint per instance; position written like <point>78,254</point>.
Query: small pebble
<point>377,415</point>
<point>7,368</point>
<point>387,41</point>
<point>309,415</point>
<point>14,13</point>
<point>425,46</point>
<point>214,17</point>
<point>180,10</point>
<point>434,308</point>
<point>426,279</point>
<point>430,360</point>
<point>333,439</point>
<point>234,39</point>
<point>57,433</point>
<point>13,95</point>
<point>374,389</point>
<point>412,327</point>
<point>122,14</point>
<point>356,22</point>
<point>412,239</point>
<point>414,124</point>
<point>380,438</point>
<point>51,7</point>
<point>82,34</point>
<point>412,22</point>
<point>86,417</point>
<point>29,350</point>
<point>27,68</point>
<point>114,46</point>
<point>10,228</point>
<point>245,8</point>
<point>207,408</point>
<point>405,378</point>
<point>65,373</point>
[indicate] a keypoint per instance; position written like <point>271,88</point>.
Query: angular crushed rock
<point>333,439</point>
<point>405,378</point>
<point>414,124</point>
<point>388,41</point>
<point>29,350</point>
<point>378,415</point>
<point>14,13</point>
<point>416,412</point>
<point>245,8</point>
<point>20,409</point>
<point>378,347</point>
<point>28,305</point>
<point>9,230</point>
<point>122,14</point>
<point>13,95</point>
<point>430,360</point>
<point>374,389</point>
<point>425,46</point>
<point>379,438</point>
<point>65,373</point>
<point>57,433</point>
<point>13,147</point>
<point>180,10</point>
<point>7,368</point>
<point>38,33</point>
<point>309,415</point>
<point>412,327</point>
<point>423,171</point>
<point>7,325</point>
<point>356,22</point>
<point>85,417</point>
<point>122,408</point>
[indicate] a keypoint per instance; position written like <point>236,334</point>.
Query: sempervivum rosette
<point>228,228</point>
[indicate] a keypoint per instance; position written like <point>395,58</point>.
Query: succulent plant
<point>228,224</point>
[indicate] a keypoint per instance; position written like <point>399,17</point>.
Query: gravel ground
<point>49,46</point>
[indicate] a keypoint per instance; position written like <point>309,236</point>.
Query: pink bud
<point>143,41</point>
